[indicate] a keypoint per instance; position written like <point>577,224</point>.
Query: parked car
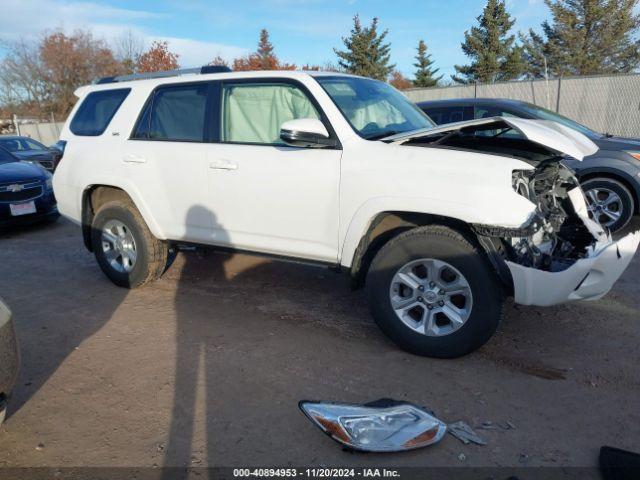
<point>28,149</point>
<point>610,177</point>
<point>26,192</point>
<point>439,223</point>
<point>9,358</point>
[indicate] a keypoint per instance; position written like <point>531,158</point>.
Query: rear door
<point>166,158</point>
<point>265,195</point>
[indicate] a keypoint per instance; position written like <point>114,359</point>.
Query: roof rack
<point>169,73</point>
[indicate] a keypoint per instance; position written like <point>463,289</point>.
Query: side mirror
<point>306,132</point>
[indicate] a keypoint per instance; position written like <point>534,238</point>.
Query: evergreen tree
<point>425,75</point>
<point>366,53</point>
<point>265,50</point>
<point>585,37</point>
<point>493,53</point>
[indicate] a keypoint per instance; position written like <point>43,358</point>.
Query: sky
<point>302,31</point>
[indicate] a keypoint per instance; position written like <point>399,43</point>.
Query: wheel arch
<point>388,224</point>
<point>94,196</point>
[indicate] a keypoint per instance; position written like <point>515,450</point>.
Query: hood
<point>20,172</point>
<point>618,143</point>
<point>552,135</point>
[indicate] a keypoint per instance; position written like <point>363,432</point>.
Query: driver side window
<point>253,112</point>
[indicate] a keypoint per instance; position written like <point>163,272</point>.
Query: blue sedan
<point>26,193</point>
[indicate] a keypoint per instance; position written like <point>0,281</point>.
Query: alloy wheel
<point>431,297</point>
<point>119,246</point>
<point>604,205</point>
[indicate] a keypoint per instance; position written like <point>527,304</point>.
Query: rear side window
<point>97,110</point>
<point>175,113</point>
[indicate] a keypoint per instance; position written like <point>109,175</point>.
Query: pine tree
<point>493,53</point>
<point>585,37</point>
<point>425,75</point>
<point>265,51</point>
<point>264,58</point>
<point>366,53</point>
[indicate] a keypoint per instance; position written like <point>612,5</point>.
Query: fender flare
<point>132,192</point>
<point>520,209</point>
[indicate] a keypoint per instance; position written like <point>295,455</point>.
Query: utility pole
<point>546,78</point>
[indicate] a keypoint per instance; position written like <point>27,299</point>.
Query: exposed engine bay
<point>556,236</point>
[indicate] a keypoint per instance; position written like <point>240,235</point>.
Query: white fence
<point>604,103</point>
<point>47,133</point>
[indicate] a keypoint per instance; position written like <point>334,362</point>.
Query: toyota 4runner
<point>438,223</point>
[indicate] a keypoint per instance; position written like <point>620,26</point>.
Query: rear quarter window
<point>96,111</point>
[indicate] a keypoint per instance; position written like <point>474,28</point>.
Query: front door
<point>265,195</point>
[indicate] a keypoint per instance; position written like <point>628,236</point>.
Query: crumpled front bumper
<point>587,279</point>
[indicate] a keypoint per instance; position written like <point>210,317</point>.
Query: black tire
<point>440,243</point>
<point>626,199</point>
<point>152,254</point>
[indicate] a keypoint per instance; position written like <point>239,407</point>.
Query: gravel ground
<point>206,367</point>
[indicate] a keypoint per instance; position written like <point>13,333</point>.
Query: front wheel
<point>433,293</point>
<point>125,249</point>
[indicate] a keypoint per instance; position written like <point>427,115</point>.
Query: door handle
<point>132,158</point>
<point>223,165</point>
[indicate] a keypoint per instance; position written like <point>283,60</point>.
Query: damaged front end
<point>560,253</point>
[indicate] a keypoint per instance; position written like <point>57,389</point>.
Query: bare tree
<point>22,85</point>
<point>40,78</point>
<point>129,46</point>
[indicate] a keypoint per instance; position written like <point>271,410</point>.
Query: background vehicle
<point>610,177</point>
<point>9,358</point>
<point>26,148</point>
<point>26,192</point>
<point>343,171</point>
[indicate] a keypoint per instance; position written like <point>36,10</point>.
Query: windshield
<point>20,144</point>
<point>6,157</point>
<point>374,109</point>
<point>544,114</point>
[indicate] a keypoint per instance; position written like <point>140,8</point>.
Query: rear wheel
<point>125,249</point>
<point>433,293</point>
<point>609,202</point>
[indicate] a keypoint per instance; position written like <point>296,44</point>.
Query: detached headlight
<point>382,426</point>
<point>634,154</point>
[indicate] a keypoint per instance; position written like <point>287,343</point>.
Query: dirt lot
<point>206,367</point>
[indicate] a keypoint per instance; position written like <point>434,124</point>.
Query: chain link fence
<point>608,104</point>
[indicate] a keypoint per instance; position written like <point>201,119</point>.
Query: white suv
<point>439,224</point>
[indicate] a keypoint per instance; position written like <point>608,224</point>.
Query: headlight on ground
<point>382,426</point>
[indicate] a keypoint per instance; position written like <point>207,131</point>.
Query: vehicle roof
<point>471,101</point>
<point>195,77</point>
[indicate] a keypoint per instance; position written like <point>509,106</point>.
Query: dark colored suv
<point>610,178</point>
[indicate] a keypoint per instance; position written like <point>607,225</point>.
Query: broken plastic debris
<point>465,433</point>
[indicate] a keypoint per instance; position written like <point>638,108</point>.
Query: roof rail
<point>169,73</point>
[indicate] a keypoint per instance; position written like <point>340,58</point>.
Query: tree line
<point>581,37</point>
